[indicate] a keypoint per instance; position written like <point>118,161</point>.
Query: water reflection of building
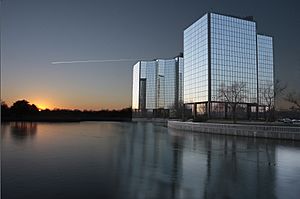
<point>151,163</point>
<point>228,167</point>
<point>163,163</point>
<point>157,87</point>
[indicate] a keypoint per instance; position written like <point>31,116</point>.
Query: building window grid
<point>136,86</point>
<point>233,57</point>
<point>235,48</point>
<point>161,82</point>
<point>196,62</point>
<point>265,66</point>
<point>151,85</point>
<point>170,83</point>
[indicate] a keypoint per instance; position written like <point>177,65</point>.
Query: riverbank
<point>26,114</point>
<point>65,119</point>
<point>152,120</point>
<point>248,130</point>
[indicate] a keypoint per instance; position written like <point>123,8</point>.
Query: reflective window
<point>157,84</point>
<point>135,86</point>
<point>233,55</point>
<point>180,79</point>
<point>169,83</point>
<point>151,84</point>
<point>265,69</point>
<point>196,62</point>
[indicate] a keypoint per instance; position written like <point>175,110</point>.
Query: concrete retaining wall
<point>275,132</point>
<point>152,120</point>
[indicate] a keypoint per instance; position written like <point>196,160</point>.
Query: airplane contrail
<point>92,61</point>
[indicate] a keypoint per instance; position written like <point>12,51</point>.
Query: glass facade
<point>219,52</point>
<point>157,84</point>
<point>222,51</point>
<point>195,53</point>
<point>265,68</point>
<point>151,84</point>
<point>170,83</point>
<point>233,56</point>
<point>135,86</point>
<point>161,84</point>
<point>179,89</point>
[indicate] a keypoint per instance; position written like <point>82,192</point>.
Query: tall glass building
<point>157,88</point>
<point>221,51</point>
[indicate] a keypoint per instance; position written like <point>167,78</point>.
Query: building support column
<point>195,110</point>
<point>257,109</point>
<point>183,113</point>
<point>209,67</point>
<point>208,108</point>
<point>226,110</point>
<point>248,111</point>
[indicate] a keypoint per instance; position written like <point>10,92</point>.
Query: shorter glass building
<point>157,89</point>
<point>223,53</point>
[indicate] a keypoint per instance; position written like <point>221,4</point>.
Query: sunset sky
<point>35,33</point>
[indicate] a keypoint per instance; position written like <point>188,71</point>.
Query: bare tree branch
<point>279,88</point>
<point>233,95</point>
<point>293,98</point>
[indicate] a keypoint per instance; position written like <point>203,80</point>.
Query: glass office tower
<point>265,69</point>
<point>219,52</point>
<point>157,87</point>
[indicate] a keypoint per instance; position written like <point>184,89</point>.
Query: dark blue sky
<point>36,32</point>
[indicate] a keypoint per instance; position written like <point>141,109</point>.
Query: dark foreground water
<point>141,160</point>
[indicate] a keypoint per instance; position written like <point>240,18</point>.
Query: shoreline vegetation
<point>22,110</point>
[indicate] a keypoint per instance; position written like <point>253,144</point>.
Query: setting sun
<point>42,105</point>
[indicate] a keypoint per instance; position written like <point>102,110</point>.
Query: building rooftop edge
<point>246,18</point>
<point>156,59</point>
<point>262,34</point>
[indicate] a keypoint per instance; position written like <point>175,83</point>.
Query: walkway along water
<point>274,132</point>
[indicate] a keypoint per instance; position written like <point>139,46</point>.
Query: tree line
<point>22,110</point>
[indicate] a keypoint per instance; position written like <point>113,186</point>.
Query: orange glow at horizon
<point>50,103</point>
<point>42,106</point>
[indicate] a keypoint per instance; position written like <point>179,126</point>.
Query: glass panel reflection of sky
<point>151,84</point>
<point>265,67</point>
<point>233,55</point>
<point>196,61</point>
<point>135,86</point>
<point>164,82</point>
<point>170,83</point>
<point>233,58</point>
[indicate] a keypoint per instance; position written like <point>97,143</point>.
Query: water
<point>142,160</point>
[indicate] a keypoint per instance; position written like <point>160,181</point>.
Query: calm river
<point>142,160</point>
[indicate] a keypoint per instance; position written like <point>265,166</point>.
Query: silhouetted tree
<point>279,88</point>
<point>269,94</point>
<point>4,106</point>
<point>23,110</point>
<point>4,109</point>
<point>269,99</point>
<point>22,107</point>
<point>293,98</point>
<point>233,95</point>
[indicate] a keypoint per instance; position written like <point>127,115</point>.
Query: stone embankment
<point>262,131</point>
